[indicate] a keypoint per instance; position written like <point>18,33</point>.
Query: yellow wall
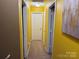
<point>65,46</point>
<point>43,29</point>
<point>37,9</point>
<point>28,27</point>
<point>45,38</point>
<point>20,28</point>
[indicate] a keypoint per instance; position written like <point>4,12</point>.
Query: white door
<point>25,30</point>
<point>37,26</point>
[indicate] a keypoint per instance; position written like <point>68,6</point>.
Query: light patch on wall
<point>38,4</point>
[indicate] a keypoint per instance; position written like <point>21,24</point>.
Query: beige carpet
<point>37,51</point>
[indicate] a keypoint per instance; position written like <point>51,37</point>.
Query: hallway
<point>37,52</point>
<point>38,22</point>
<point>39,29</point>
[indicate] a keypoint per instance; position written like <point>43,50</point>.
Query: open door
<point>24,7</point>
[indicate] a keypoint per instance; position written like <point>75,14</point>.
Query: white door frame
<point>42,19</point>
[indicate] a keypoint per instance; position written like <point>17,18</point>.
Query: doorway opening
<point>51,23</point>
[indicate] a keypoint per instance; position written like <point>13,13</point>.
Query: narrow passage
<point>37,51</point>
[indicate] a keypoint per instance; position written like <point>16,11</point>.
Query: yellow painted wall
<point>65,46</point>
<point>37,9</point>
<point>44,28</point>
<point>45,42</point>
<point>28,27</point>
<point>20,28</point>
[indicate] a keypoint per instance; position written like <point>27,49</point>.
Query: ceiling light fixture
<point>37,4</point>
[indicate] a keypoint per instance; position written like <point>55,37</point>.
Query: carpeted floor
<point>37,51</point>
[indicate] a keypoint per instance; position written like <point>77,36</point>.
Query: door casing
<point>51,22</point>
